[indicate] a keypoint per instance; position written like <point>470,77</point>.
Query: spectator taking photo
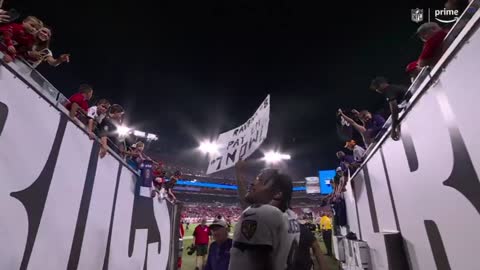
<point>372,124</point>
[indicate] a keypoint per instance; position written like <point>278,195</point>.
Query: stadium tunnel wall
<point>62,207</point>
<point>426,185</point>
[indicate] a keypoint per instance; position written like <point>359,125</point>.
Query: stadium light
<point>139,133</point>
<point>274,157</point>
<point>152,137</point>
<point>209,147</point>
<point>123,131</point>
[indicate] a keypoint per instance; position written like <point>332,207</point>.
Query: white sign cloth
<point>239,143</point>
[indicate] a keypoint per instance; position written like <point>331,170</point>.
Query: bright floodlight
<point>123,131</point>
<point>152,137</point>
<point>139,133</point>
<point>208,147</point>
<point>274,157</point>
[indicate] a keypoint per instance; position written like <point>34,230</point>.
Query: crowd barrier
<point>62,207</point>
<point>424,189</point>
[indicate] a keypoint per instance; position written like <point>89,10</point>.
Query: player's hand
<point>355,112</point>
<point>11,50</point>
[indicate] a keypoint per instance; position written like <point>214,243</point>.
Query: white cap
<point>219,222</point>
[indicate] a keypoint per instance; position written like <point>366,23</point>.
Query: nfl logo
<point>417,15</point>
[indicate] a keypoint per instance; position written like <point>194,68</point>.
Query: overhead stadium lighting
<point>152,137</point>
<point>139,133</point>
<point>209,147</point>
<point>274,157</point>
<point>123,131</point>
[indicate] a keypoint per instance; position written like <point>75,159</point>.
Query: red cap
<point>411,67</point>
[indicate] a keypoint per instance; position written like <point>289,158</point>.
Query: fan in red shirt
<point>432,35</point>
<point>79,101</point>
<point>201,237</point>
<point>19,38</point>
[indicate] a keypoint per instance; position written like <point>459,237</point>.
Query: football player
<point>267,234</point>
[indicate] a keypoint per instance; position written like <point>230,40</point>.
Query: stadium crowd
<point>28,41</point>
<point>194,212</point>
<point>364,128</point>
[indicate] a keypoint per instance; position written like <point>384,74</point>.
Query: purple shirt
<point>343,162</point>
<point>219,256</point>
<point>374,125</point>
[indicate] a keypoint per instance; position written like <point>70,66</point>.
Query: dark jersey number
<point>293,226</point>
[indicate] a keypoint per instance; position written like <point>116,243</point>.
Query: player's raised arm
<point>241,183</point>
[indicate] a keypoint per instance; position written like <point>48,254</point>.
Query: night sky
<point>192,69</point>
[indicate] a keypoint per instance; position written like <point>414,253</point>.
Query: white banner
<point>241,142</point>
<point>312,184</point>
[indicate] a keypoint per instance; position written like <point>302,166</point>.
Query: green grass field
<point>188,262</point>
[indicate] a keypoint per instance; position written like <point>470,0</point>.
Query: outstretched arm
<point>64,58</point>
<point>241,183</point>
<point>358,127</point>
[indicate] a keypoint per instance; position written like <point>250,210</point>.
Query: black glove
<point>191,249</point>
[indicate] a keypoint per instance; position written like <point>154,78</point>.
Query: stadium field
<point>188,262</point>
